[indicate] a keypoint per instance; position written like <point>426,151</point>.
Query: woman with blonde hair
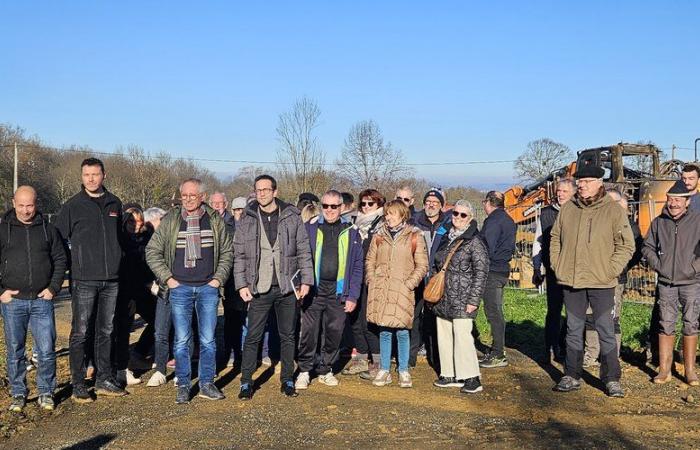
<point>397,261</point>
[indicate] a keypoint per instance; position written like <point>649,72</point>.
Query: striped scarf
<point>193,237</point>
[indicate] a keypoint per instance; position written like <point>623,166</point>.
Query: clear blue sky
<point>446,81</point>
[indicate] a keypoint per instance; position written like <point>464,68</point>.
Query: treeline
<point>152,179</point>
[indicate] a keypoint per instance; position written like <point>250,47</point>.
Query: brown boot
<point>690,345</point>
<point>665,358</point>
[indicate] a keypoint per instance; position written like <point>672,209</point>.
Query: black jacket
<point>547,218</point>
<point>465,278</point>
<point>499,233</point>
<point>93,234</point>
<point>32,256</point>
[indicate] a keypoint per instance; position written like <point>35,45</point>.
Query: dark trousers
<point>493,307</point>
<point>234,322</point>
<point>258,311</point>
<point>366,341</point>
<point>327,312</point>
<point>553,336</point>
<point>92,304</point>
<point>602,302</point>
<point>416,331</point>
<point>163,334</point>
<point>130,302</point>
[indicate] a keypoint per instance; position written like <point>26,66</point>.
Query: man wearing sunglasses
<point>406,195</point>
<point>338,267</point>
<point>270,246</point>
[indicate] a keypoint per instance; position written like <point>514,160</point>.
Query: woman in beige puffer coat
<point>397,261</point>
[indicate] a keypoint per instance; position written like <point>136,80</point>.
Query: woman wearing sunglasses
<point>465,280</point>
<point>369,219</point>
<point>396,263</point>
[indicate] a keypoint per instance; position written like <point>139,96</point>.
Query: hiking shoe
<point>382,379</point>
<point>471,386</point>
<point>288,389</point>
<point>355,367</point>
<point>46,402</point>
<point>371,373</point>
<point>81,394</point>
<point>246,392</point>
<point>590,361</point>
<point>405,380</point>
<point>328,379</point>
<point>614,389</point>
<point>493,360</point>
<point>210,392</point>
<point>303,381</point>
<point>267,361</point>
<point>109,388</point>
<point>568,384</point>
<point>131,379</point>
<point>18,403</point>
<point>157,379</point>
<point>446,382</point>
<point>183,395</point>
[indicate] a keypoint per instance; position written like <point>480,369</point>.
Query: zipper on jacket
<point>590,228</point>
<point>675,241</point>
<point>29,259</point>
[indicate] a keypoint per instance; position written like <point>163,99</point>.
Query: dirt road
<point>517,409</point>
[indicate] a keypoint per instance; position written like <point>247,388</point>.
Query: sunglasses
<point>459,214</point>
<point>404,199</point>
<point>367,203</point>
<point>327,206</point>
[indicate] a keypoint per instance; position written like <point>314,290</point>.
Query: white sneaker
<point>328,379</point>
<point>382,379</point>
<point>131,379</point>
<point>303,381</point>
<point>157,379</point>
<point>405,380</point>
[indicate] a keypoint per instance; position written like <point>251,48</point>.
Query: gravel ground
<point>516,409</point>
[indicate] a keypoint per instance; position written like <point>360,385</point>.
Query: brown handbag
<point>435,288</point>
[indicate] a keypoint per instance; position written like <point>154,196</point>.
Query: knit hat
<point>437,193</point>
<point>308,197</point>
<point>589,171</point>
<point>679,190</point>
<point>239,203</point>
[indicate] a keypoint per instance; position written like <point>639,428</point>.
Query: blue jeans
<point>163,324</point>
<point>403,337</point>
<point>205,299</point>
<point>37,315</point>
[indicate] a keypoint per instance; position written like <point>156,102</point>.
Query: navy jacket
<point>354,262</point>
<point>499,232</point>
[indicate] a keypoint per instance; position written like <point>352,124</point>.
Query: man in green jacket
<point>591,243</point>
<point>191,254</point>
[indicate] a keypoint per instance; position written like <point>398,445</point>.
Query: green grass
<point>525,313</point>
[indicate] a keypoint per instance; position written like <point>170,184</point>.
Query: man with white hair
<point>191,255</point>
<point>219,203</point>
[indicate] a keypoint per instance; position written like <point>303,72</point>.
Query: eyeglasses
<point>404,199</point>
<point>190,196</point>
<point>459,214</point>
<point>264,191</point>
<point>367,203</point>
<point>432,203</point>
<point>327,206</point>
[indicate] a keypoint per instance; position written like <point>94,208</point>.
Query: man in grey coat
<point>272,269</point>
<point>672,250</point>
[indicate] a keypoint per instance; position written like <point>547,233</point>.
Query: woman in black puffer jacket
<point>465,280</point>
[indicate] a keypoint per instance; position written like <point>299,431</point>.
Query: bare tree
<point>300,157</point>
<point>368,160</point>
<point>541,157</point>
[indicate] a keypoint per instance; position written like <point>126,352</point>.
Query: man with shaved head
<point>30,277</point>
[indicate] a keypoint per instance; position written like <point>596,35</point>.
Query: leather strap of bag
<point>450,255</point>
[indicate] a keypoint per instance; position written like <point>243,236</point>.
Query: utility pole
<point>15,185</point>
<point>673,151</point>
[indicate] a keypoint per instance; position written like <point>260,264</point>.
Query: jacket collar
<point>285,209</point>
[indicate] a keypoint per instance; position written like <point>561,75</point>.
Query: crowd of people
<point>302,284</point>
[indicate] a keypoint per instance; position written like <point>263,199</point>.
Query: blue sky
<point>446,81</point>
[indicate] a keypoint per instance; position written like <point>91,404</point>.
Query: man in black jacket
<point>90,223</point>
<point>553,336</point>
<point>33,265</point>
<point>499,233</point>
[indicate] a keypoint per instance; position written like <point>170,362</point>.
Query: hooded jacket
<point>465,277</point>
<point>295,250</point>
<point>672,248</point>
<point>591,244</point>
<point>32,257</point>
<point>351,259</point>
<point>93,234</point>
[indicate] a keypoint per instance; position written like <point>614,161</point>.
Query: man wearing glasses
<point>338,267</point>
<point>406,195</point>
<point>190,254</point>
<point>272,269</point>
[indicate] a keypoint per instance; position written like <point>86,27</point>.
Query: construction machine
<point>633,169</point>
